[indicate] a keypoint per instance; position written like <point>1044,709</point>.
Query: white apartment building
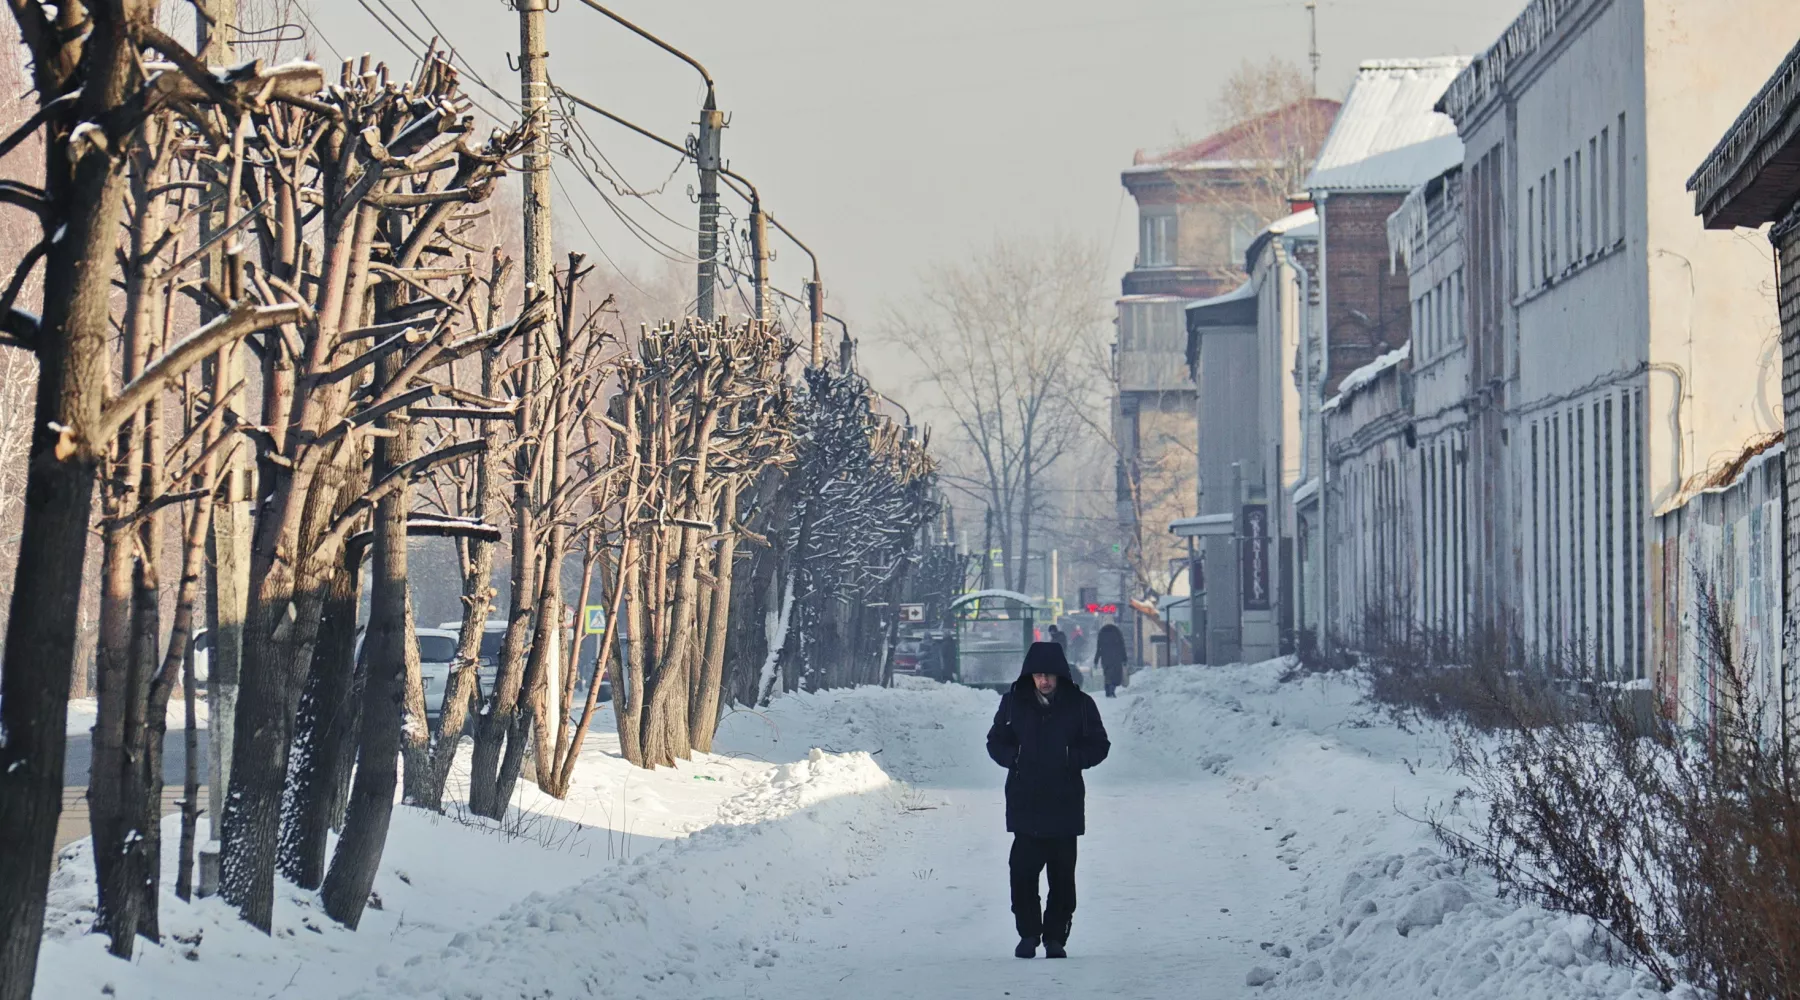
<point>1618,351</point>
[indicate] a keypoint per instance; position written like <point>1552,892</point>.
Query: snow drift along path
<point>1247,837</point>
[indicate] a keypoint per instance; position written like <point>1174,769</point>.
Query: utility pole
<point>534,91</point>
<point>228,540</point>
<point>706,158</point>
<point>815,304</point>
<point>1312,16</point>
<point>540,280</point>
<point>759,251</point>
<point>987,551</point>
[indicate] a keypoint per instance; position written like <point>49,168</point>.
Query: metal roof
<point>1753,175</point>
<point>1388,136</point>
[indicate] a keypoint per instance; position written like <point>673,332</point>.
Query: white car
<point>493,633</point>
<point>437,648</point>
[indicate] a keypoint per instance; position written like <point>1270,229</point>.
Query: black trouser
<point>1030,855</point>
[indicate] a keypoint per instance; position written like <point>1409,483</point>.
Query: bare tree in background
<point>18,369</point>
<point>1008,340</point>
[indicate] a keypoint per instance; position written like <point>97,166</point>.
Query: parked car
<point>907,654</point>
<point>493,633</point>
<point>437,648</point>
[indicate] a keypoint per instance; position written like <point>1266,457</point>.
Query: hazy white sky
<point>892,135</point>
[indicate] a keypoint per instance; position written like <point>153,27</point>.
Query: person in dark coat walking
<point>1109,653</point>
<point>1045,734</point>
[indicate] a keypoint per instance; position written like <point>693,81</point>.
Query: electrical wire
<point>582,221</point>
<point>317,30</point>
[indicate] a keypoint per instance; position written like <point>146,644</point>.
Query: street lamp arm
<point>665,46</point>
<point>785,231</point>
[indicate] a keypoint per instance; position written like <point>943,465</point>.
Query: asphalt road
<point>73,823</point>
<point>80,756</point>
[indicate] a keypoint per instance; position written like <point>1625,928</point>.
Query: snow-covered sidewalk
<point>1246,837</point>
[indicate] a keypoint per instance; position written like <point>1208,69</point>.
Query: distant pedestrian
<point>1109,653</point>
<point>1057,636</point>
<point>1046,732</point>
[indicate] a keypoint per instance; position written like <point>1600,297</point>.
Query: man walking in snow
<point>1109,652</point>
<point>1045,734</point>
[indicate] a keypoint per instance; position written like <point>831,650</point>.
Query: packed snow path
<point>1172,884</point>
<point>1248,836</point>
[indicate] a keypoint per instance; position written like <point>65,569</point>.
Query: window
<point>1605,186</point>
<point>1580,251</point>
<point>1530,255</point>
<point>1566,235</point>
<point>1460,322</point>
<point>1622,171</point>
<point>1156,239</point>
<point>1537,541</point>
<point>1594,182</point>
<point>1551,230</point>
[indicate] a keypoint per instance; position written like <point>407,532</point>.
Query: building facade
<point>1751,180</point>
<point>1425,238</point>
<point>1355,363</point>
<point>1199,208</point>
<point>1620,353</point>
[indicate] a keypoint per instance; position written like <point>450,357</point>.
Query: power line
<point>301,7</point>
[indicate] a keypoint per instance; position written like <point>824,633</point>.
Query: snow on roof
<point>1294,225</point>
<point>1363,377</point>
<point>1389,137</point>
<point>1306,491</point>
<point>1011,595</point>
<point>1246,144</point>
<point>1238,294</point>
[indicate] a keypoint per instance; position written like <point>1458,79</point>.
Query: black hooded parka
<point>1045,747</point>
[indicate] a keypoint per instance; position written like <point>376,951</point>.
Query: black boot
<point>1054,949</point>
<point>1027,948</point>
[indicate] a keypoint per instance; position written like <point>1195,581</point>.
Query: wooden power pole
<point>544,345</point>
<point>228,538</point>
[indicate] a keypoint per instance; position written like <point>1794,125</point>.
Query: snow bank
<point>646,882</point>
<point>1378,910</point>
<point>704,912</point>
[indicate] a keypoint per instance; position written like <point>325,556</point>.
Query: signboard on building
<point>912,613</point>
<point>1253,558</point>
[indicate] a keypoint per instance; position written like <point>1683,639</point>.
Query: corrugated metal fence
<point>1728,539</point>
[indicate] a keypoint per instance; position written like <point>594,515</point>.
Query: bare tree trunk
<point>415,728</point>
<point>325,734</point>
<point>704,716</point>
<point>628,697</point>
<point>176,664</point>
<point>478,588</point>
<point>500,714</point>
<point>358,855</point>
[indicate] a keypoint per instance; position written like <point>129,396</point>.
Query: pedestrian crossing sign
<point>593,620</point>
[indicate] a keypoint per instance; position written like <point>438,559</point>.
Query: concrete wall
<point>1712,301</point>
<point>1232,444</point>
